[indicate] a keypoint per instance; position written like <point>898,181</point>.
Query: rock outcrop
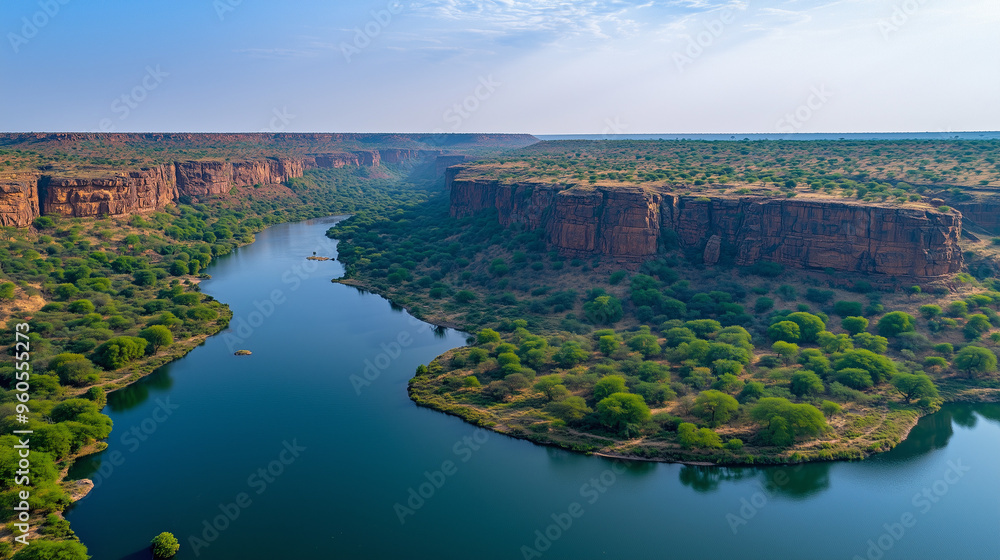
<point>135,191</point>
<point>630,224</point>
<point>208,178</point>
<point>18,200</point>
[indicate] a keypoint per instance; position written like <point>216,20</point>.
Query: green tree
<point>647,344</point>
<point>570,354</point>
<point>873,342</point>
<point>608,344</point>
<point>787,350</point>
<point>547,385</point>
<point>782,418</point>
<point>52,550</point>
<point>7,291</point>
<point>806,383</point>
<point>603,310</point>
<point>930,311</point>
<point>878,367</point>
<point>847,308</point>
<point>715,407</point>
<point>854,325</point>
<point>570,409</point>
<point>487,336</point>
<point>164,545</point>
<point>690,436</point>
<point>809,325</point>
<point>785,331</point>
<point>751,391</point>
<point>157,336</point>
<point>608,386</point>
<point>914,386</point>
<point>895,323</point>
<point>119,351</point>
<point>623,412</point>
<point>975,360</point>
<point>855,378</point>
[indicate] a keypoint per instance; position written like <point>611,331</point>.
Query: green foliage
<point>854,325</point>
<point>570,409</point>
<point>895,323</point>
<point>119,351</point>
<point>715,407</point>
<point>806,383</point>
<point>785,331</point>
<point>784,421</point>
<point>52,550</point>
<point>603,310</point>
<point>570,354</point>
<point>164,545</point>
<point>608,386</point>
<point>878,367</point>
<point>691,437</point>
<point>809,325</point>
<point>623,412</point>
<point>847,308</point>
<point>975,360</point>
<point>914,386</point>
<point>157,336</point>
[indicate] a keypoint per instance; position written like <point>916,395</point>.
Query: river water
<point>310,448</point>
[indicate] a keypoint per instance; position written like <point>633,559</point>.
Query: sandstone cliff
<point>135,191</point>
<point>18,201</point>
<point>630,224</point>
<point>24,197</point>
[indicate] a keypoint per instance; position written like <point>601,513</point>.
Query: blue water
<point>293,453</point>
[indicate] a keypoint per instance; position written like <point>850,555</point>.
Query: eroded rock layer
<point>630,224</point>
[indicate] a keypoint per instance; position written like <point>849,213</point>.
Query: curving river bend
<point>310,448</point>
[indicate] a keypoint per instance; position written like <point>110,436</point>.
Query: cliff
<point>135,191</point>
<point>629,224</point>
<point>25,197</point>
<point>18,201</point>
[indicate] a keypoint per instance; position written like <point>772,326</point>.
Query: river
<point>310,448</point>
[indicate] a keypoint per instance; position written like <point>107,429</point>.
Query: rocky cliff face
<point>135,191</point>
<point>629,224</point>
<point>18,201</point>
<point>207,178</point>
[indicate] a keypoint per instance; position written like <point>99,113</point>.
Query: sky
<point>520,66</point>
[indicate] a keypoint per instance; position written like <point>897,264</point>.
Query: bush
<point>896,323</point>
<point>164,545</point>
<point>119,351</point>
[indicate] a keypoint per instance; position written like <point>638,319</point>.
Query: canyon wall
<point>134,191</point>
<point>25,197</point>
<point>630,224</point>
<point>18,200</point>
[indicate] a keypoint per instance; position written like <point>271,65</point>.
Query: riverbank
<point>883,428</point>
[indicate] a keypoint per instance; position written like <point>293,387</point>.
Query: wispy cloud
<point>555,19</point>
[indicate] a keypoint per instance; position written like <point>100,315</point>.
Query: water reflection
<point>137,393</point>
